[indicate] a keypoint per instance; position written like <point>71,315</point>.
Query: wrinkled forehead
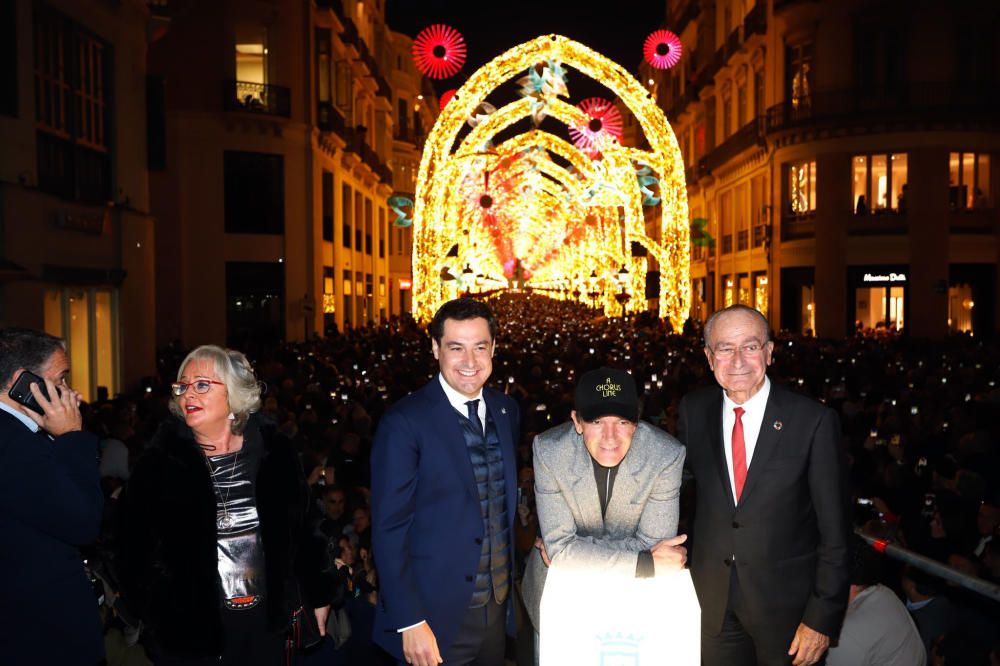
<point>738,328</point>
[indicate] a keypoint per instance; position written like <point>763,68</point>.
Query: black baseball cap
<point>606,392</point>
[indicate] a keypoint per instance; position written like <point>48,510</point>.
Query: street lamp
<point>623,298</point>
<point>593,293</point>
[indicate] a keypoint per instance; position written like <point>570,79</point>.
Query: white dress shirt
<point>458,400</point>
<point>752,418</point>
<point>23,418</point>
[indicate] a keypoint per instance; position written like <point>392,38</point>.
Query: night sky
<point>615,29</point>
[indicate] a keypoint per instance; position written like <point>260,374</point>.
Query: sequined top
<point>240,551</point>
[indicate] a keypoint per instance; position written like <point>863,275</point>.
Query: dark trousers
<point>247,641</point>
<point>745,640</point>
<point>481,639</point>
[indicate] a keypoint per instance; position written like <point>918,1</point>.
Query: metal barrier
<point>978,585</point>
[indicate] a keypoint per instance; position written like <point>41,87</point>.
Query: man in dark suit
<point>50,503</point>
<point>769,544</point>
<point>443,503</point>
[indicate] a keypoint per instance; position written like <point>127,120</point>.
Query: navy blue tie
<point>473,407</point>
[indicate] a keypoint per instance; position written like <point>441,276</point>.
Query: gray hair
<point>25,348</point>
<point>737,307</point>
<point>235,372</point>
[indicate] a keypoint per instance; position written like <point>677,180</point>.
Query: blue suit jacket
<point>426,518</point>
<point>50,502</point>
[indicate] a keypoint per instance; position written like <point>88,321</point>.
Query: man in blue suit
<point>443,504</point>
<point>50,503</point>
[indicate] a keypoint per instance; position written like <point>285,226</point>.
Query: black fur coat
<point>166,540</point>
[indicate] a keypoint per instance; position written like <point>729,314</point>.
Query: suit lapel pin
<point>778,425</point>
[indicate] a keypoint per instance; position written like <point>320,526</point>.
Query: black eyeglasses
<point>199,386</point>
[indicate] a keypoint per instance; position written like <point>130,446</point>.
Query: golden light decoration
<point>557,220</point>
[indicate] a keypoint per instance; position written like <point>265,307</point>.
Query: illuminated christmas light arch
<point>570,226</point>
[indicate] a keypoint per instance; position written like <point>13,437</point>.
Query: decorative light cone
<point>446,97</point>
<point>439,51</point>
<point>605,122</point>
<point>662,49</point>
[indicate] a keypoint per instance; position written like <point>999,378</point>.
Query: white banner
<point>591,618</point>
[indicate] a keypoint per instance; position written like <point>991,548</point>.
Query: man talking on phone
<point>50,503</point>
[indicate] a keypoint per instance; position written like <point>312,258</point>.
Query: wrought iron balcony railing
<point>939,101</point>
<point>264,98</point>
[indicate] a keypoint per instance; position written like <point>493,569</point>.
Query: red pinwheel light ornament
<point>605,122</point>
<point>445,98</point>
<point>439,51</point>
<point>662,49</point>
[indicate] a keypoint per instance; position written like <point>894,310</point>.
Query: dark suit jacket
<point>50,503</point>
<point>426,519</point>
<point>789,532</point>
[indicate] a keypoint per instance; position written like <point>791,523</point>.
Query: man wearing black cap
<point>606,488</point>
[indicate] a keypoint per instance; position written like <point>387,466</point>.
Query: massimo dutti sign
<point>879,278</point>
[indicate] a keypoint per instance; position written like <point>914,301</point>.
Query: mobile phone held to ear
<point>21,393</point>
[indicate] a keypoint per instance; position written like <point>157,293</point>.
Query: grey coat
<point>643,508</point>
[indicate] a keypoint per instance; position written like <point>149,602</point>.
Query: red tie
<point>739,453</point>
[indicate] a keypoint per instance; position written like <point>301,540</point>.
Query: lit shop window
<point>801,188</point>
<point>808,302</point>
<point>743,292</point>
<point>87,318</point>
<point>729,292</point>
<point>879,183</point>
<point>960,307</point>
<point>760,293</point>
<point>969,181</point>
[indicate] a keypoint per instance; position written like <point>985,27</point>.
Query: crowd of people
<point>918,429</point>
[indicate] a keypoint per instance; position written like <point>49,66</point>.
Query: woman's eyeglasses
<point>199,386</point>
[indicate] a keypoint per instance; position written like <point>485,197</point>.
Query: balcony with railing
<point>356,144</point>
<point>681,102</point>
<point>262,98</point>
<point>755,22</point>
<point>351,37</point>
<point>746,137</point>
<point>330,119</point>
<point>409,135</point>
<point>879,222</point>
<point>974,221</point>
<point>685,13</point>
<point>798,226</point>
<point>934,101</point>
<point>733,42</point>
<point>336,6</point>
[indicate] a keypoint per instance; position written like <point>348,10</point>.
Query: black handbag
<point>303,632</point>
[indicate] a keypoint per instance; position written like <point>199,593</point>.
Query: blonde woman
<point>212,539</point>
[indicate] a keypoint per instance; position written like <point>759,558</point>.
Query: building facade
<point>76,233</point>
<point>280,136</point>
<point>842,171</point>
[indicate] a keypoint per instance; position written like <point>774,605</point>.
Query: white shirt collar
<point>23,418</point>
<point>752,420</point>
<point>458,400</point>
